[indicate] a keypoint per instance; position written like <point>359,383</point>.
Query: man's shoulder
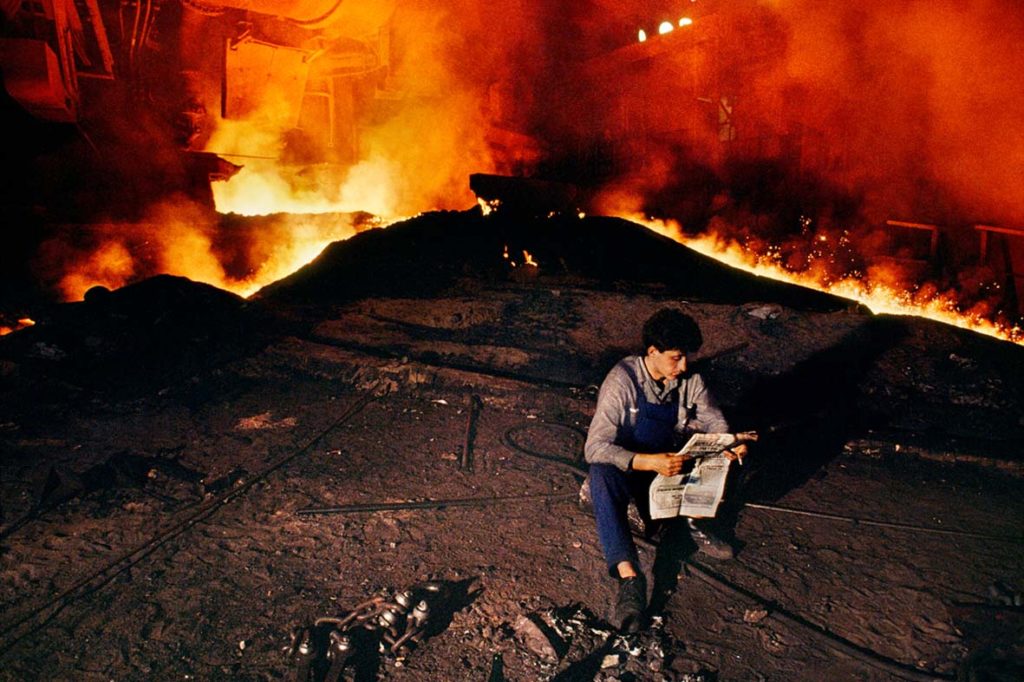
<point>625,366</point>
<point>623,373</point>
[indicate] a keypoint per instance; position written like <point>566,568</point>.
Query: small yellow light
<point>685,21</point>
<point>665,27</point>
<point>642,36</point>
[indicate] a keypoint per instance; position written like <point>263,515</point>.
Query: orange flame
<point>177,241</point>
<point>880,298</point>
<point>263,189</point>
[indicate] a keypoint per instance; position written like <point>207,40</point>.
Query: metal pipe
<point>340,651</point>
<point>430,504</point>
<point>101,37</point>
<point>134,36</point>
<point>472,407</point>
<point>882,524</point>
<point>304,650</point>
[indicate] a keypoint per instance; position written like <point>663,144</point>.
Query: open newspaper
<point>699,492</point>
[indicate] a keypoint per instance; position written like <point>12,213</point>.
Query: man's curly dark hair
<point>669,329</point>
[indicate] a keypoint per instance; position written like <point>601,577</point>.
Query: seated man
<point>646,406</point>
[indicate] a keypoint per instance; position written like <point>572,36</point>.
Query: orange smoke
<point>913,109</point>
<point>794,129</point>
<point>110,265</point>
<point>414,137</point>
<point>920,91</point>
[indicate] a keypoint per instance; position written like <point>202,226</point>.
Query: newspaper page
<point>700,492</point>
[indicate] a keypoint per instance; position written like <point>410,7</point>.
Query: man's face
<point>666,363</point>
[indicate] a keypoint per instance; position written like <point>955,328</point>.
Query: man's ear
<point>651,350</point>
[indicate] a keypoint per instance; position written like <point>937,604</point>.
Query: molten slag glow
<point>309,209</point>
<point>298,245</point>
<point>665,27</point>
<point>175,241</point>
<point>21,324</point>
<point>879,298</point>
<point>262,189</point>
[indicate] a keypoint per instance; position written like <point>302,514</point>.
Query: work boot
<point>707,542</point>
<point>630,604</point>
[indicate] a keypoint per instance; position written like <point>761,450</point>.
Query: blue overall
<point>611,489</point>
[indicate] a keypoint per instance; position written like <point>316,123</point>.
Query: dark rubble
<point>159,441</point>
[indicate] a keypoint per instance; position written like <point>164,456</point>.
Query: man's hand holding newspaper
<point>699,493</point>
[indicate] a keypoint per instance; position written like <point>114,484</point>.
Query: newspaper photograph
<point>700,492</point>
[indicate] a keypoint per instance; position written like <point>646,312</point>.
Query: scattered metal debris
<point>754,615</point>
<point>1003,595</point>
<point>763,311</point>
<point>387,624</point>
<point>539,638</point>
<point>264,421</point>
<point>597,652</point>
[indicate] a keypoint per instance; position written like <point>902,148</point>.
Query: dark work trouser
<point>611,490</point>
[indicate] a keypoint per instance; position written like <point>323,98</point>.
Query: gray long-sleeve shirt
<point>618,407</point>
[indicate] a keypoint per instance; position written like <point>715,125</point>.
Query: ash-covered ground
<point>160,440</point>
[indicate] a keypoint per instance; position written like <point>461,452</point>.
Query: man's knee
<point>609,488</point>
<point>606,477</point>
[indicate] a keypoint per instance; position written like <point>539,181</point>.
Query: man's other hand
<point>665,463</point>
<point>736,452</point>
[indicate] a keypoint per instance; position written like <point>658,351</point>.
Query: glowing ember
<point>527,258</point>
<point>487,207</point>
<point>877,297</point>
<point>21,324</point>
<point>642,36</point>
<point>686,21</point>
<point>665,27</point>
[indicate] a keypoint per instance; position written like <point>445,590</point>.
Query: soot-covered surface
<point>158,442</point>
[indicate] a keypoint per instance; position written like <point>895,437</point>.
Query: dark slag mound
<point>430,253</point>
<point>145,335</point>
